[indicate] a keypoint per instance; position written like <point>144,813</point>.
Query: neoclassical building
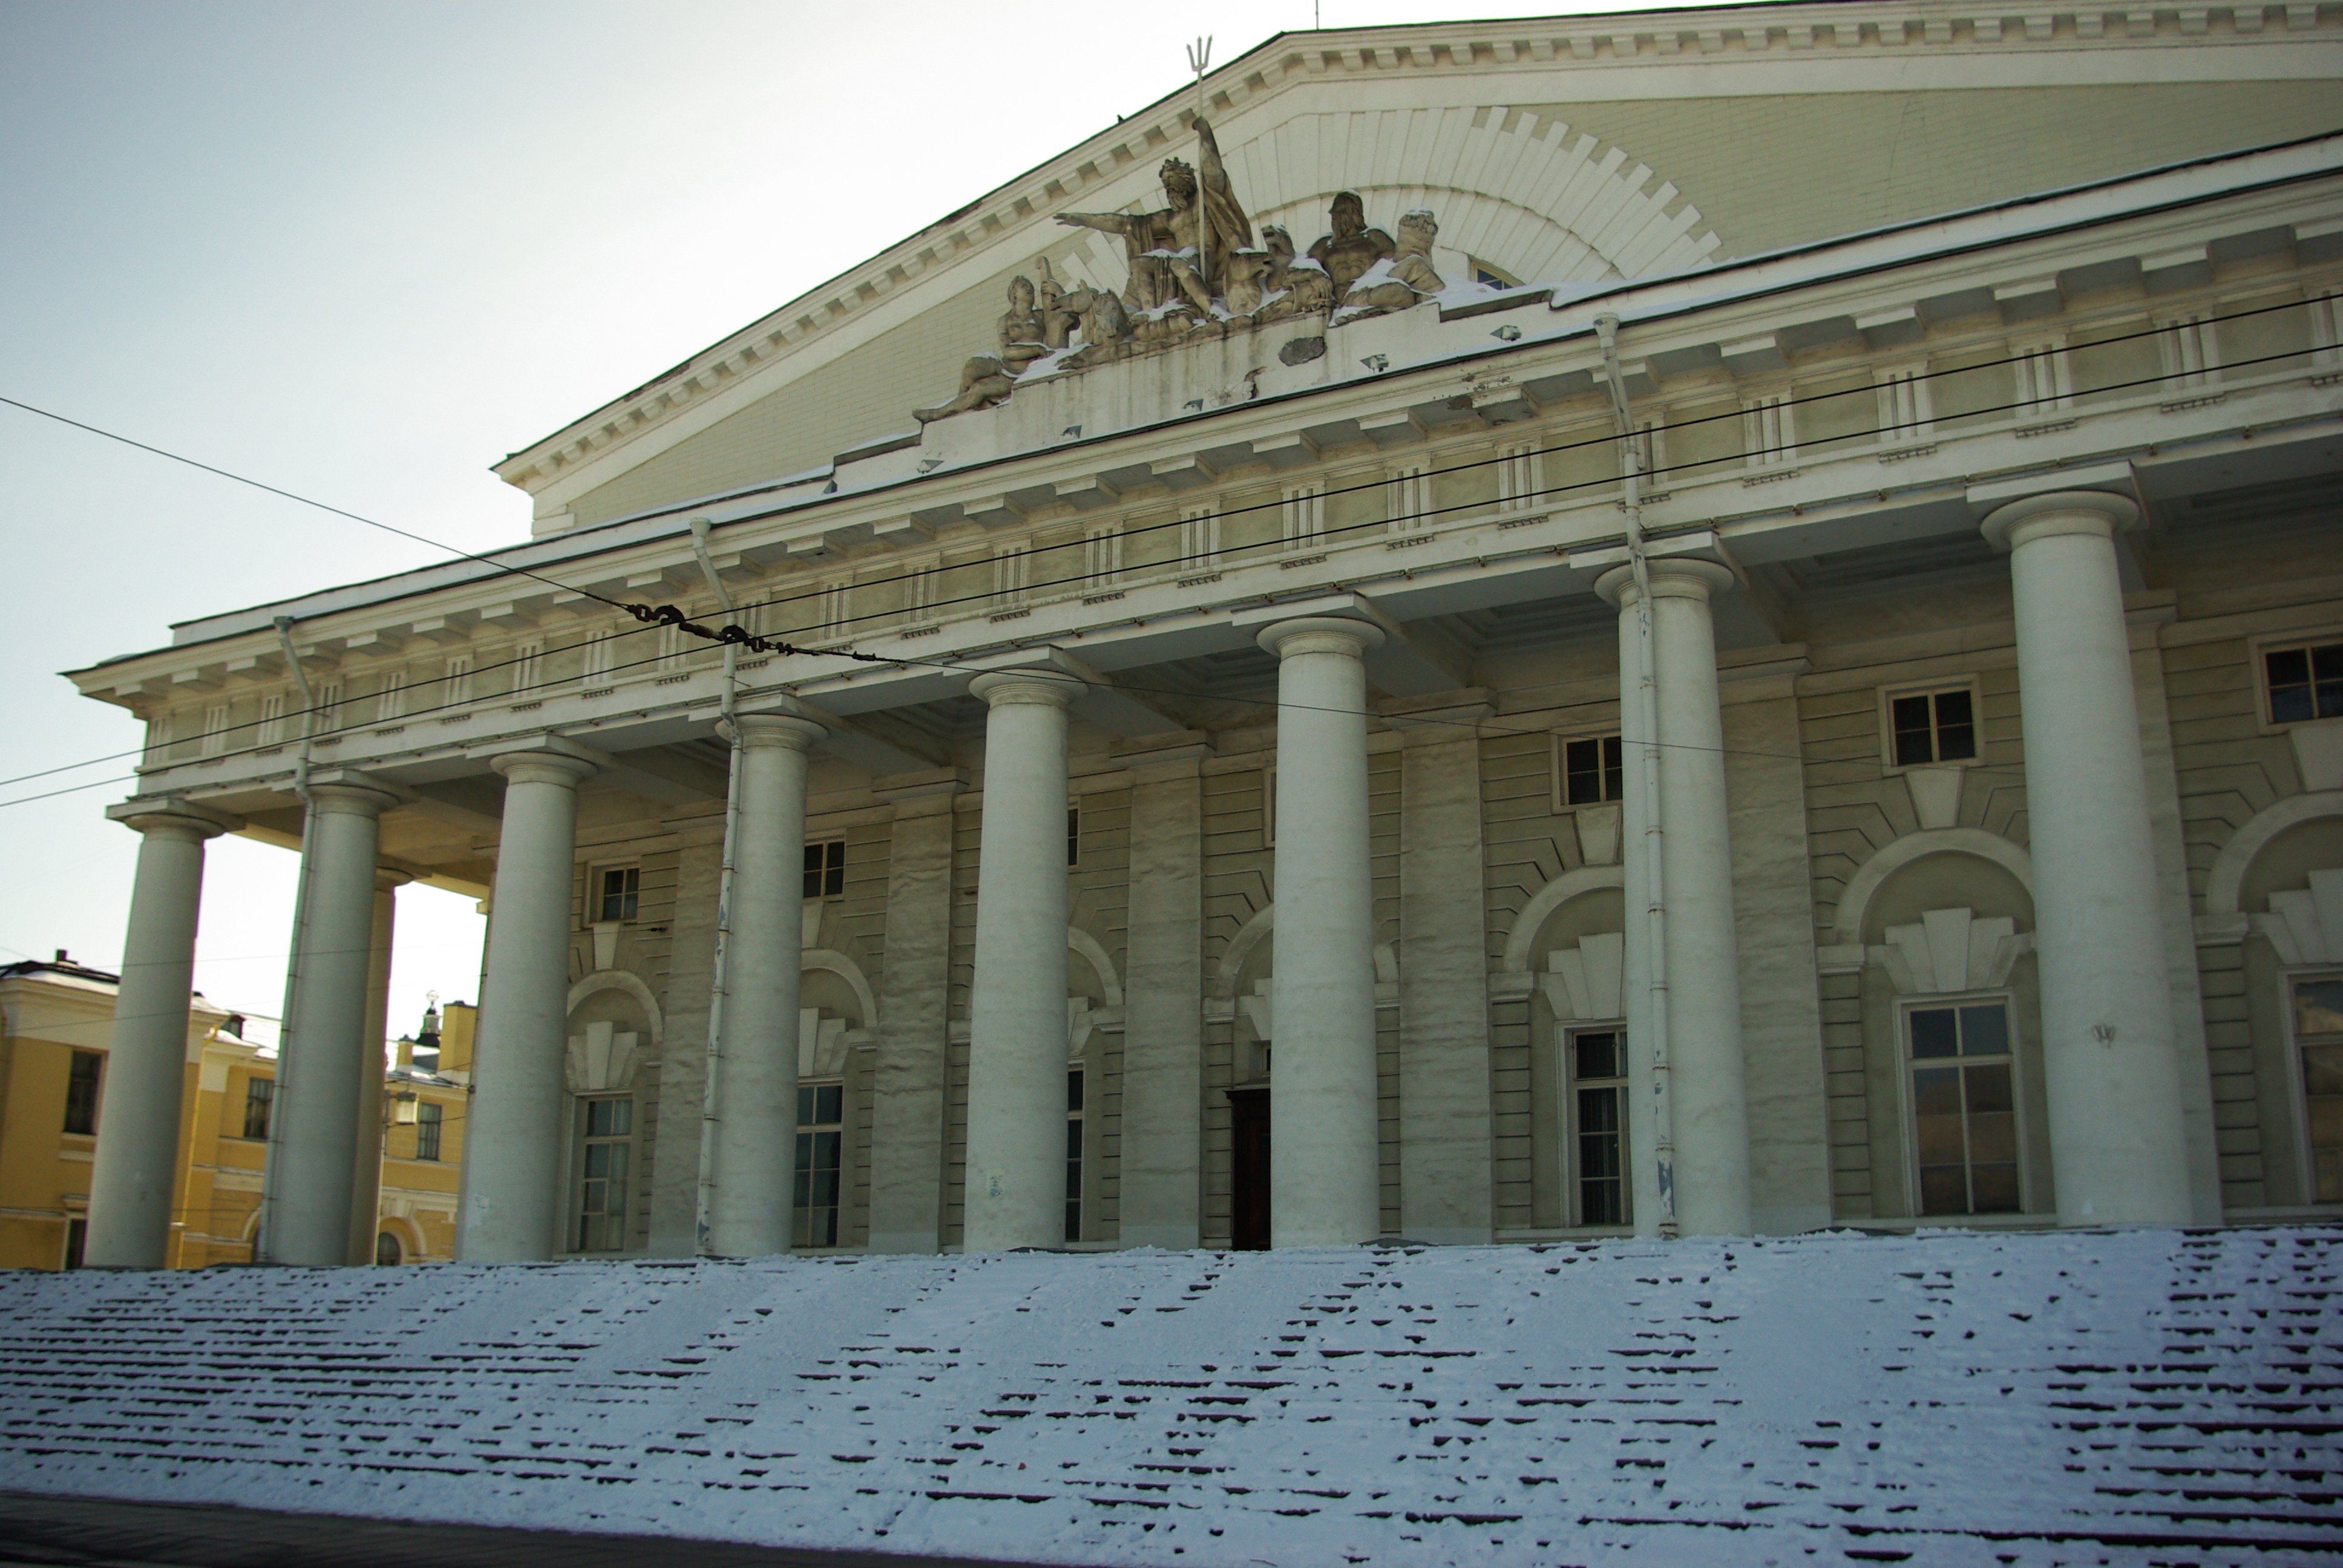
<point>1696,623</point>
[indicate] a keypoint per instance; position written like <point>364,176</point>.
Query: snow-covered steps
<point>2142,1396</point>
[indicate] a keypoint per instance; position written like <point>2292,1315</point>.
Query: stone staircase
<point>1953,1397</point>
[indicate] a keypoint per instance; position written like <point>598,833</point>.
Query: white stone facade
<point>1876,790</point>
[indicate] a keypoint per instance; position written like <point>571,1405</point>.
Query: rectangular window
<point>526,661</point>
<point>1598,1092</point>
<point>76,1241</point>
<point>1929,726</point>
<point>1407,499</point>
<point>1074,1154</point>
<point>1200,535</point>
<point>81,1091</point>
<point>1102,557</point>
<point>1963,1108</point>
<point>1518,477</point>
<point>458,690</point>
<point>1907,410</point>
<point>259,1095</point>
<point>2192,357</point>
<point>270,731</point>
<point>825,868</point>
<point>1303,518</point>
<point>1074,834</point>
<point>1591,769</point>
<point>1769,430</point>
<point>2319,1036</point>
<point>216,729</point>
<point>2046,385</point>
<point>427,1123</point>
<point>2305,681</point>
<point>822,1136</point>
<point>618,892</point>
<point>602,1186</point>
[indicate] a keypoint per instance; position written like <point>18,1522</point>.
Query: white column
<point>513,1182</point>
<point>1324,1173</point>
<point>365,1170</point>
<point>1015,1194</point>
<point>322,1071</point>
<point>757,1071</point>
<point>2117,1145</point>
<point>147,1055</point>
<point>1163,1000</point>
<point>1706,1099</point>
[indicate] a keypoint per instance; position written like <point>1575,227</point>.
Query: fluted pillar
<point>513,1183</point>
<point>1325,1171</point>
<point>322,1066</point>
<point>757,1069</point>
<point>145,1060</point>
<point>365,1170</point>
<point>1015,1194</point>
<point>2117,1145</point>
<point>1706,1099</point>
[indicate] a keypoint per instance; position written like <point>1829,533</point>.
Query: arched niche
<point>1862,889</point>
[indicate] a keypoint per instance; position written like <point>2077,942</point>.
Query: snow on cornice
<point>1601,42</point>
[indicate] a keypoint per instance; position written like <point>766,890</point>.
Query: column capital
<point>561,764</point>
<point>171,818</point>
<point>2058,512</point>
<point>345,789</point>
<point>1320,634</point>
<point>1673,576</point>
<point>387,877</point>
<point>1003,688</point>
<point>775,728</point>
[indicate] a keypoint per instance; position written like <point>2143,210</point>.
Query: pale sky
<point>361,251</point>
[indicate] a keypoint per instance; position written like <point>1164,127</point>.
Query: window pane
<point>622,1117</point>
<point>805,1105</point>
<point>1989,1092</point>
<point>1995,1189</point>
<point>813,871</point>
<point>2288,666</point>
<point>598,1118</point>
<point>1908,716</point>
<point>1932,1032</point>
<point>2326,662</point>
<point>1943,1190</point>
<point>1582,772</point>
<point>2290,704</point>
<point>1984,1031</point>
<point>1955,726</point>
<point>829,1103</point>
<point>81,1092</point>
<point>2318,1007</point>
<point>1615,771</point>
<point>597,1160</point>
<point>1598,1056</point>
<point>1073,1090</point>
<point>1073,1138</point>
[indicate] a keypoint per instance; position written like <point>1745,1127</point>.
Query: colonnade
<point>2113,1077</point>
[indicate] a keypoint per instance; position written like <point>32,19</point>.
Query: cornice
<point>1000,221</point>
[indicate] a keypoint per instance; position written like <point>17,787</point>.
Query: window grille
<point>821,1136</point>
<point>259,1097</point>
<point>825,868</point>
<point>1963,1108</point>
<point>618,893</point>
<point>602,1175</point>
<point>1589,769</point>
<point>1931,726</point>
<point>427,1124</point>
<point>82,1080</point>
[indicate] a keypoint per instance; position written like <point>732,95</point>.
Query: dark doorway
<point>1249,1176</point>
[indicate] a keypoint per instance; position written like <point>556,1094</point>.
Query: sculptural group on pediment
<point>1194,267</point>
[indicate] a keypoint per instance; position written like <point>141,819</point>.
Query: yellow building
<point>55,1019</point>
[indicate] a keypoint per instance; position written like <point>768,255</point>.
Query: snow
<point>1952,1397</point>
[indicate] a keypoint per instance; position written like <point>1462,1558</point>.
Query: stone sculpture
<point>1353,247</point>
<point>1404,280</point>
<point>1194,268</point>
<point>988,378</point>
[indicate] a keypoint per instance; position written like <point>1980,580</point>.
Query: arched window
<point>386,1249</point>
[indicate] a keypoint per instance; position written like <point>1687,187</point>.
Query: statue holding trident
<point>1181,252</point>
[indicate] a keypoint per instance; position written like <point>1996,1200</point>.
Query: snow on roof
<point>1957,1396</point>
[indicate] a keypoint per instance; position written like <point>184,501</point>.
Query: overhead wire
<point>651,618</point>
